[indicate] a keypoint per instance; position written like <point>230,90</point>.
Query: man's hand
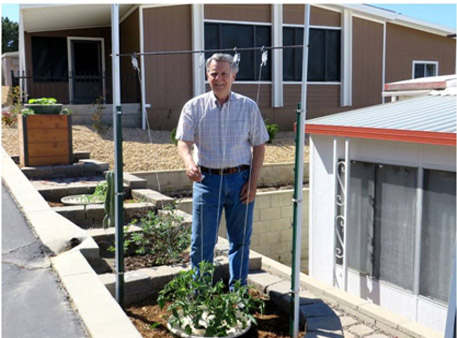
<point>193,172</point>
<point>248,193</point>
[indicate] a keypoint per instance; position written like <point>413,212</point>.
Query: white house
<point>392,240</point>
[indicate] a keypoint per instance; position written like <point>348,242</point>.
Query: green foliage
<point>10,35</point>
<point>272,130</point>
<point>197,304</point>
<point>65,111</point>
<point>97,123</point>
<point>173,137</point>
<point>27,112</point>
<point>164,237</point>
<point>99,194</point>
<point>43,100</point>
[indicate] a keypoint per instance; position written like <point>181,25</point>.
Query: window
<point>49,59</point>
<point>424,69</point>
<point>382,226</point>
<point>222,35</point>
<point>324,57</point>
<point>438,233</point>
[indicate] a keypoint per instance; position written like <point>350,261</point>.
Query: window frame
<point>246,23</point>
<point>288,82</point>
<point>425,63</point>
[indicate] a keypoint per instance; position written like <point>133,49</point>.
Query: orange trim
<point>426,137</point>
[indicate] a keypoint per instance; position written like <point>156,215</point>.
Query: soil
<point>151,321</point>
<point>145,150</point>
<point>132,261</point>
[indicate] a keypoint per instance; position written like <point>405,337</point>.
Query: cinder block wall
<point>82,114</point>
<point>272,227</point>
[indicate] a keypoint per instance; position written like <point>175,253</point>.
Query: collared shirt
<point>223,135</point>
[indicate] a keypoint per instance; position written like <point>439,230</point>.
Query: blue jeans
<point>210,195</point>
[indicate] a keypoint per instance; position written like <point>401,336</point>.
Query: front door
<point>87,80</point>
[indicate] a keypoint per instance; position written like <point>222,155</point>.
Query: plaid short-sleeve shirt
<point>223,135</point>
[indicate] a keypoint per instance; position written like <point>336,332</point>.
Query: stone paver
<point>347,321</point>
<point>377,335</point>
<point>361,329</point>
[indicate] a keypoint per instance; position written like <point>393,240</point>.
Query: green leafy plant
<point>27,111</point>
<point>272,130</point>
<point>163,237</point>
<point>201,308</point>
<point>99,195</point>
<point>173,137</point>
<point>65,111</point>
<point>43,100</point>
<point>97,123</point>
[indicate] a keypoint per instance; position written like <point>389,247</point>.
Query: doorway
<point>86,69</point>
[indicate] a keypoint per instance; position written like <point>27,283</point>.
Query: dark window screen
<point>221,36</point>
<point>323,57</point>
<point>49,59</point>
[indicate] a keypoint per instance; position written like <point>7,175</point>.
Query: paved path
<point>33,301</point>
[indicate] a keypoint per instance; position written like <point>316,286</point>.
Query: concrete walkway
<point>34,303</point>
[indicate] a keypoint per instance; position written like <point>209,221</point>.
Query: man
<point>224,126</point>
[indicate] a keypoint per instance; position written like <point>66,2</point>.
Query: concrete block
<point>327,324</point>
<point>71,264</point>
<point>313,285</point>
<point>415,329</point>
<point>137,282</point>
<point>382,315</point>
<point>137,210</point>
<point>281,224</point>
<point>287,212</point>
<point>270,214</point>
<point>81,155</point>
<point>157,199</point>
<point>102,316</point>
<point>338,296</point>
<point>261,280</point>
<point>347,320</point>
<point>262,201</point>
<point>255,261</point>
<point>281,199</point>
<point>318,309</point>
<point>134,182</point>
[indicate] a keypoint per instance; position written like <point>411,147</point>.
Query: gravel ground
<point>144,152</point>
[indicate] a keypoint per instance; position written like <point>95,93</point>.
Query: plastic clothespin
<point>135,62</point>
<point>236,57</point>
<point>264,56</point>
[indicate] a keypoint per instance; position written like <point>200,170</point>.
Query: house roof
<point>432,82</point>
<point>427,119</point>
<point>70,16</point>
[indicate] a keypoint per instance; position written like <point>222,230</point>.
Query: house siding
<point>129,36</point>
<point>254,13</point>
<point>295,14</point>
<point>367,45</point>
<point>403,45</point>
<point>168,77</point>
<point>60,90</point>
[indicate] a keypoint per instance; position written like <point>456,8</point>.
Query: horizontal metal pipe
<point>171,52</point>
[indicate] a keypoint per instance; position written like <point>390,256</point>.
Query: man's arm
<point>249,189</point>
<point>192,170</point>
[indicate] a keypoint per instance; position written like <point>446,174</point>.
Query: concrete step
<point>84,167</point>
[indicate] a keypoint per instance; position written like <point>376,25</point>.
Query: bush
<point>272,130</point>
<point>173,137</point>
<point>97,123</point>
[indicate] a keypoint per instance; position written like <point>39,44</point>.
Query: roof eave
<point>410,136</point>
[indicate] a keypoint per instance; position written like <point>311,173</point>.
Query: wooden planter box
<point>45,140</point>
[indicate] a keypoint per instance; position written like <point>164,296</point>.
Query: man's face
<point>220,78</point>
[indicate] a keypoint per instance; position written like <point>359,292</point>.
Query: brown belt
<point>225,171</point>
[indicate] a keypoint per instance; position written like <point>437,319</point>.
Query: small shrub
<point>164,237</point>
<point>173,137</point>
<point>27,111</point>
<point>9,117</point>
<point>272,130</point>
<point>97,123</point>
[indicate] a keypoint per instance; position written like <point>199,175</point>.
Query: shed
<point>392,239</point>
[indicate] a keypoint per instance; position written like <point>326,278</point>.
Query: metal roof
<point>427,119</point>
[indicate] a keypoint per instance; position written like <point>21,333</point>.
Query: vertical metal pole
<point>347,176</point>
<point>450,330</point>
<point>298,189</point>
<point>335,208</point>
<point>119,189</point>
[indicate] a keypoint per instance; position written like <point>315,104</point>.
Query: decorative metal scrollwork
<point>340,219</point>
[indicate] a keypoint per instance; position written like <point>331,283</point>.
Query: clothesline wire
<point>171,52</point>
